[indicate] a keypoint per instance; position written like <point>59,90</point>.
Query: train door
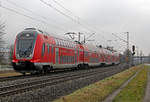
<point>76,56</point>
<point>56,55</point>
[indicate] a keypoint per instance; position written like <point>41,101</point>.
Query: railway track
<point>12,78</point>
<point>53,80</point>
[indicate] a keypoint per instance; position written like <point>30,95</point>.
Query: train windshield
<point>25,45</point>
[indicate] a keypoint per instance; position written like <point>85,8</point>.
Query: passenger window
<point>52,49</point>
<point>48,48</point>
<point>43,49</point>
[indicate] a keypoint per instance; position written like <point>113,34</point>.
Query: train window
<point>63,43</point>
<point>71,45</point>
<point>86,54</point>
<point>47,48</point>
<point>60,42</point>
<point>56,42</point>
<point>64,60</point>
<point>57,55</point>
<point>61,60</point>
<point>75,55</point>
<point>43,49</point>
<point>67,44</point>
<point>52,49</point>
<point>67,59</point>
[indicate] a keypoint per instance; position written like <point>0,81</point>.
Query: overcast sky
<point>102,17</point>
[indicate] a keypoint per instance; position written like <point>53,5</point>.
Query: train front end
<point>23,56</point>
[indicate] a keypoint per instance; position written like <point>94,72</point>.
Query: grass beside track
<point>98,91</point>
<point>135,90</point>
<point>9,73</point>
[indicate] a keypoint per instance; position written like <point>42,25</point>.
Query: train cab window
<point>43,49</point>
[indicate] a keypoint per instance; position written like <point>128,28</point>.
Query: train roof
<point>48,34</point>
<point>65,41</point>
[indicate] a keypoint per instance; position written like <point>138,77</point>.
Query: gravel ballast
<point>50,93</point>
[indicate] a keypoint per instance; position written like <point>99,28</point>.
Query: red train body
<point>35,51</point>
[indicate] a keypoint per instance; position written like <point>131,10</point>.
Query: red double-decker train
<point>37,52</point>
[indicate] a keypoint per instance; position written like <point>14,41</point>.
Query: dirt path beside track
<point>147,93</point>
<point>116,92</point>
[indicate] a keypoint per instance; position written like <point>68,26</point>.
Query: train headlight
<point>30,56</point>
<point>17,55</point>
<point>27,35</point>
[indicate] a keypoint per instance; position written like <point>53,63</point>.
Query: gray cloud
<point>103,16</point>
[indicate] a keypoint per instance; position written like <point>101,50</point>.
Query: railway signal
<point>133,50</point>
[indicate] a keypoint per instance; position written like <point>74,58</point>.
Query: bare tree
<point>11,53</point>
<point>2,42</point>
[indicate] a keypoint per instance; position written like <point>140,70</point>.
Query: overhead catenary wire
<point>66,15</point>
<point>28,10</point>
<point>69,11</point>
<point>13,3</point>
<point>82,21</point>
<point>131,42</point>
<point>85,21</point>
<point>78,18</point>
<point>30,17</point>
